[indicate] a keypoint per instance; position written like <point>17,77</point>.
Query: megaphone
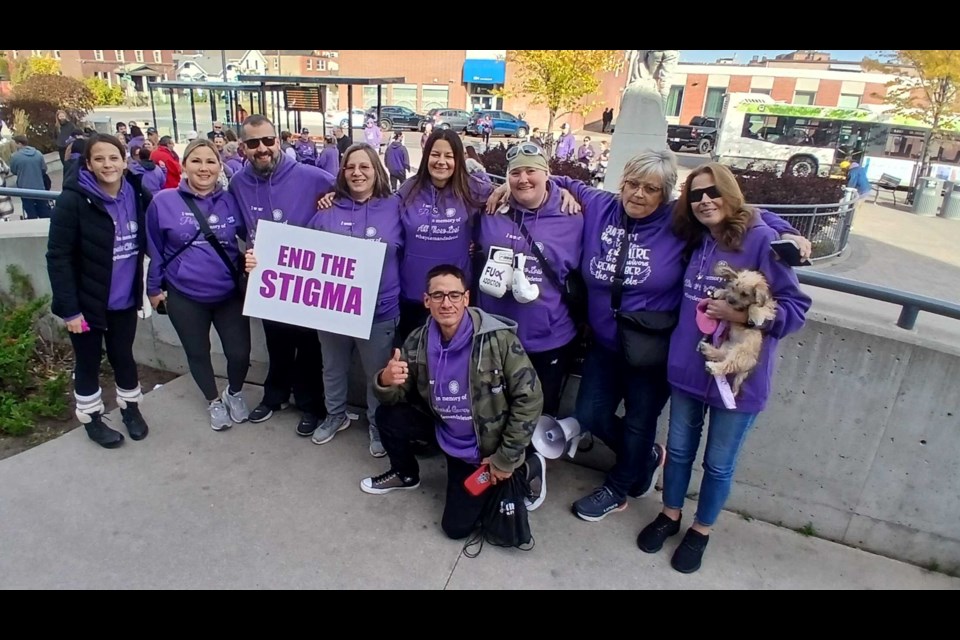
<point>554,437</point>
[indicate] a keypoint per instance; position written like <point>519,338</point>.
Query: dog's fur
<point>745,291</point>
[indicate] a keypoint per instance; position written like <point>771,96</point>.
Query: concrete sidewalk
<point>259,507</point>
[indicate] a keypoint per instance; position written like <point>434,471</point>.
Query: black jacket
<point>80,252</point>
<point>66,130</point>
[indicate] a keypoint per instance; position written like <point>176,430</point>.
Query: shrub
<point>494,160</point>
<point>29,386</point>
<point>103,93</point>
<point>40,97</point>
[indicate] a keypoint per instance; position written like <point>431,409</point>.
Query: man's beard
<point>265,171</point>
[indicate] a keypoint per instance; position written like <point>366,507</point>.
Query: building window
<point>56,54</point>
<point>157,56</point>
<point>309,64</point>
<point>138,54</point>
<point>98,55</point>
<point>804,97</point>
<point>675,100</point>
<point>37,53</point>
<point>765,92</point>
<point>849,101</point>
<point>714,102</point>
<point>118,53</point>
<point>370,97</point>
<point>276,64</point>
<point>435,97</point>
<point>321,64</point>
<point>405,95</point>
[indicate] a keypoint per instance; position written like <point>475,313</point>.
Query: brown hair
<point>105,139</point>
<point>381,186</point>
<point>459,182</point>
<point>737,214</point>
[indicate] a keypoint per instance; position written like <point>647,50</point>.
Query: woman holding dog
<point>723,235</point>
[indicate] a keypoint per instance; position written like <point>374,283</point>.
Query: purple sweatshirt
<point>305,149</point>
<point>289,195</point>
<point>235,164</point>
<point>685,368</point>
<point>329,159</point>
<point>545,323</point>
<point>437,228</point>
<point>377,219</point>
<point>397,160</point>
<point>154,176</point>
<point>448,366</point>
<point>198,272</point>
<point>123,210</point>
<point>372,136</point>
<point>655,266</point>
<point>565,146</point>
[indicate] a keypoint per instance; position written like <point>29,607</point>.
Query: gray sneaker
<point>329,428</point>
<point>236,405</point>
<point>219,416</point>
<point>376,447</point>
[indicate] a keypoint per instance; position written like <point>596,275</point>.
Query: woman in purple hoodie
<point>232,159</point>
<point>362,208</point>
<point>95,256</point>
<point>194,283</point>
<point>719,229</point>
<point>153,175</point>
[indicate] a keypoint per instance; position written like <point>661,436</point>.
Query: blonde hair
<point>652,164</point>
<point>201,142</point>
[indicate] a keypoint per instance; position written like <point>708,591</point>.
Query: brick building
<point>108,64</point>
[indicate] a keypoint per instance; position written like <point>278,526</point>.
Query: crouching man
<point>476,394</point>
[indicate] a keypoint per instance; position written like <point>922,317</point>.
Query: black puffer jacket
<point>80,252</point>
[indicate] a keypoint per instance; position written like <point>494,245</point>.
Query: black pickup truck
<point>701,133</point>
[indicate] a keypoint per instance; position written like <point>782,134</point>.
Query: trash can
<point>926,201</point>
<point>951,202</point>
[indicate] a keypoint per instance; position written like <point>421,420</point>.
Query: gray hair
<point>230,149</point>
<point>648,164</point>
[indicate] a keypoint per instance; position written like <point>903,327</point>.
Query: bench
<point>888,182</point>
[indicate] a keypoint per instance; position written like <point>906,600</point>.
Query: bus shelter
<point>235,93</point>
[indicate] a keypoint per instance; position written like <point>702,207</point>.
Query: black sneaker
<point>133,419</point>
<point>687,557</point>
<point>307,425</point>
<point>598,505</point>
<point>536,468</point>
<point>102,434</point>
<point>387,482</point>
<point>653,535</point>
<point>646,485</point>
<point>262,413</point>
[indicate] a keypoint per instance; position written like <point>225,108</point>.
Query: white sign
<point>315,279</point>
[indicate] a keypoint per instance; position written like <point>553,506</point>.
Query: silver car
<point>456,119</point>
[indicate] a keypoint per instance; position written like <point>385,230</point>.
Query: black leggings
<point>192,321</point>
<point>296,365</point>
<point>87,346</point>
<point>401,423</point>
<point>551,368</point>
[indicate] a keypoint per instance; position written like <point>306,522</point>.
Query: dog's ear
<point>762,293</point>
<point>726,272</point>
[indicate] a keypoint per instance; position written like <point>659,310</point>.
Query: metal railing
<point>827,226</point>
<point>6,204</point>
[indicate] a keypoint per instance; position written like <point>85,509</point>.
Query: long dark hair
<point>381,186</point>
<point>459,181</point>
<point>737,214</point>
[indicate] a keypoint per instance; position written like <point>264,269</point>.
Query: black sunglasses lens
<point>254,143</point>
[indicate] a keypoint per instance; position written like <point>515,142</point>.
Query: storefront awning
<point>484,71</point>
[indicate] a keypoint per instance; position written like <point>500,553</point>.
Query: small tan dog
<point>745,291</point>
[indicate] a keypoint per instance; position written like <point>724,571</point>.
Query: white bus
<point>808,140</point>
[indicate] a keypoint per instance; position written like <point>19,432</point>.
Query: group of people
<point>473,328</point>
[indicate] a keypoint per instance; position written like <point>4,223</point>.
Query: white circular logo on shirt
<point>277,215</point>
<point>213,219</point>
<point>450,212</point>
<point>370,232</point>
<point>454,387</point>
<point>132,226</point>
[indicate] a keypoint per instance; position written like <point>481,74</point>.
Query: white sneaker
<point>236,406</point>
<point>219,416</point>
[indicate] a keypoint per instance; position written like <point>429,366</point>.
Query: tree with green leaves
<point>924,89</point>
<point>561,79</point>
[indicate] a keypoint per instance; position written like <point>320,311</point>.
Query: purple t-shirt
<point>448,366</point>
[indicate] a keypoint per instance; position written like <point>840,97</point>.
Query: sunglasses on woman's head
<point>254,143</point>
<point>526,148</point>
<point>696,195</point>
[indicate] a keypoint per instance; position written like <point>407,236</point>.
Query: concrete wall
<point>861,438</point>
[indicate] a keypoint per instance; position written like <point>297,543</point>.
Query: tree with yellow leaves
<point>560,79</point>
<point>27,67</point>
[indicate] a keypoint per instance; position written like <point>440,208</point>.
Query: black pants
<point>296,365</point>
<point>121,330</point>
<point>192,321</point>
<point>401,423</point>
<point>552,369</point>
<point>413,315</point>
<point>396,181</point>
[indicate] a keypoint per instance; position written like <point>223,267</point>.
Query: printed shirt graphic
<point>449,371</point>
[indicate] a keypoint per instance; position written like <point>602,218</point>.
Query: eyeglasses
<point>438,296</point>
<point>254,143</point>
<point>649,189</point>
<point>696,195</point>
<point>526,148</point>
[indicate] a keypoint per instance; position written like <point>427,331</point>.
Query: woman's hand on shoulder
<point>569,204</point>
<point>498,198</point>
<point>325,201</point>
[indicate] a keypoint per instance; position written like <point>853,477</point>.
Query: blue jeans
<point>725,437</point>
<point>34,208</point>
<point>607,379</point>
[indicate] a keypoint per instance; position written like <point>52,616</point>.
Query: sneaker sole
<point>328,439</point>
<point>220,427</point>
<point>379,454</point>
<point>379,492</point>
<point>302,434</point>
<point>654,550</point>
<point>601,517</point>
<point>263,419</point>
<point>534,505</point>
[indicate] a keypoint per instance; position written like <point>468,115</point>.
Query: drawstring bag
<point>504,521</point>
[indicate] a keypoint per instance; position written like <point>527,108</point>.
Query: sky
<point>742,57</point>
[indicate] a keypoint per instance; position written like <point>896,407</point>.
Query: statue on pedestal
<point>648,67</point>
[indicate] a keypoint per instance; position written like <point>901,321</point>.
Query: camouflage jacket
<point>507,397</point>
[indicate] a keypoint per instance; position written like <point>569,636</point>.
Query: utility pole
<point>223,59</point>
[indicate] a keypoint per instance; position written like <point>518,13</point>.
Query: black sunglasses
<point>696,195</point>
<point>254,143</point>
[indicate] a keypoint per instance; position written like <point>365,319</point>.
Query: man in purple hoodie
<point>273,187</point>
<point>566,144</point>
<point>397,160</point>
<point>305,148</point>
<point>153,175</point>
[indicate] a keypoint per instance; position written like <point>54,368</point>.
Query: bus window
<point>946,150</point>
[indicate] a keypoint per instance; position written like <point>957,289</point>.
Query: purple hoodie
<point>289,195</point>
<point>545,323</point>
<point>305,149</point>
<point>123,210</point>
<point>397,159</point>
<point>655,265</point>
<point>154,176</point>
<point>448,366</point>
<point>565,146</point>
<point>329,159</point>
<point>136,143</point>
<point>198,272</point>
<point>371,135</point>
<point>685,369</point>
<point>377,219</point>
<point>437,227</point>
<point>235,164</point>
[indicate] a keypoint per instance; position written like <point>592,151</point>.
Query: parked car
<point>504,124</point>
<point>456,119</point>
<point>339,118</point>
<point>701,134</point>
<point>398,118</point>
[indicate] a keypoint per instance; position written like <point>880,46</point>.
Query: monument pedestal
<point>640,125</point>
